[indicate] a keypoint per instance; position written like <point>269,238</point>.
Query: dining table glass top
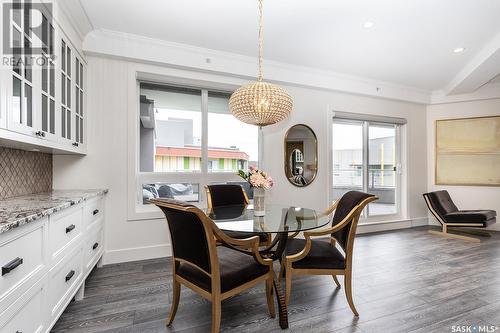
<point>277,219</point>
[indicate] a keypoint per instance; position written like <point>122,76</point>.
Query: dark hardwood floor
<point>404,281</point>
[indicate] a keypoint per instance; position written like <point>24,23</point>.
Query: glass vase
<point>259,202</point>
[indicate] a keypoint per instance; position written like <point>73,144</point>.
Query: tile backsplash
<point>24,172</point>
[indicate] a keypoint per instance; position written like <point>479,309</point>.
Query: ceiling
<point>411,42</point>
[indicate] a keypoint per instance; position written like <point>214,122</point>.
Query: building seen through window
<point>172,129</point>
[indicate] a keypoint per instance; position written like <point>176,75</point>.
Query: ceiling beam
<point>479,71</point>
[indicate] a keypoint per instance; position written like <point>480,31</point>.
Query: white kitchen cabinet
<point>42,91</point>
<point>45,264</point>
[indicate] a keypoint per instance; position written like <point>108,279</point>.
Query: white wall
<point>106,164</point>
<point>108,139</point>
<point>311,108</point>
<point>465,197</point>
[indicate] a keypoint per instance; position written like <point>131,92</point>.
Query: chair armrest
<point>330,210</point>
<point>250,243</point>
<point>333,229</point>
<point>309,234</point>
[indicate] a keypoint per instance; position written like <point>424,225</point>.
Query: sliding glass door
<point>347,157</point>
<point>382,177</point>
<point>365,157</point>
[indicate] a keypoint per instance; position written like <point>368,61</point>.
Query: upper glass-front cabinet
<point>79,74</point>
<point>22,76</point>
<point>43,87</point>
<point>72,95</point>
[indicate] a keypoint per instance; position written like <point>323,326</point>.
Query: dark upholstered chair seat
<point>322,255</point>
<point>470,216</point>
<point>236,268</point>
<point>240,235</point>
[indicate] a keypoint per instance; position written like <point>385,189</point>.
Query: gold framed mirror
<point>301,155</point>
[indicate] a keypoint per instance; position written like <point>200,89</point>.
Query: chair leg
<point>336,280</point>
<point>348,292</point>
<point>216,314</point>
<point>288,284</point>
<point>445,233</point>
<point>269,296</point>
<point>175,301</point>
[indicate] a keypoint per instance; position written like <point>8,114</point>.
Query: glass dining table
<point>279,222</point>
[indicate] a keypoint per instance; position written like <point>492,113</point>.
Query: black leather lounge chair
<point>447,213</point>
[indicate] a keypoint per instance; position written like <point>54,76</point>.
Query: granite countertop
<point>18,211</point>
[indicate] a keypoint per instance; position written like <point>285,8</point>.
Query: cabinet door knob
<point>70,275</point>
<point>11,265</point>
<point>95,246</point>
<point>70,228</point>
<point>95,212</point>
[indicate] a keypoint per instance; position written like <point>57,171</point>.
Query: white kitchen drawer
<point>65,229</point>
<point>93,248</point>
<point>22,261</point>
<point>64,279</point>
<point>27,313</point>
<point>93,211</point>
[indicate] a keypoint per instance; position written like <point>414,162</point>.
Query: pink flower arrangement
<point>257,178</point>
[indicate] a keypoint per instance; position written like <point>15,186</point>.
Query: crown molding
<point>165,53</point>
<point>76,16</point>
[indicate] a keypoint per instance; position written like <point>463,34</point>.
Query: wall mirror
<point>301,155</point>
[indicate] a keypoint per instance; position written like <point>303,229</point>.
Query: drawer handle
<point>11,266</point>
<point>70,228</point>
<point>70,275</point>
<point>95,246</point>
<point>95,212</point>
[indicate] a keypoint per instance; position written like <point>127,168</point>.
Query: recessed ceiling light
<point>459,50</point>
<point>368,24</point>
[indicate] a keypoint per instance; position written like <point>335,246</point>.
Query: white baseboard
<point>136,253</point>
<point>391,225</point>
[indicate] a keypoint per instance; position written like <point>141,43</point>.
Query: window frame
<point>136,209</point>
<point>365,121</point>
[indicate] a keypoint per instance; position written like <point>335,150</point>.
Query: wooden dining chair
<point>214,272</point>
<point>321,256</point>
<point>220,195</point>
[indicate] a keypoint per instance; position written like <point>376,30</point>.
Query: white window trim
<point>135,209</point>
<point>401,151</point>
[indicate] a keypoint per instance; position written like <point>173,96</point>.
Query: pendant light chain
<point>261,41</point>
<point>260,103</point>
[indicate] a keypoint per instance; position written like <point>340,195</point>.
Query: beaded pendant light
<point>260,103</point>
